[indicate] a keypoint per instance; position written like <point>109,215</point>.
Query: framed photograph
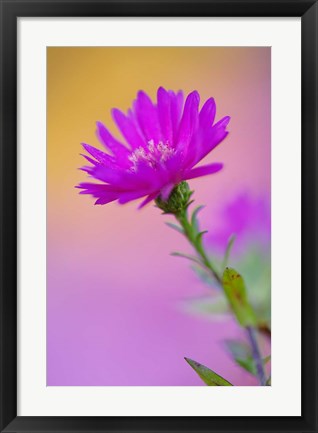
<point>158,216</point>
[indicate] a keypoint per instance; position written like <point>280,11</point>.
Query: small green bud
<point>178,200</point>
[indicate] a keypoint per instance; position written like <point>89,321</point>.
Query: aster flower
<point>163,144</point>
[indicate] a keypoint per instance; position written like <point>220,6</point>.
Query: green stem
<point>256,355</point>
<point>195,238</point>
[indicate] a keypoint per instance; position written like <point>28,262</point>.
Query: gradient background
<point>113,291</point>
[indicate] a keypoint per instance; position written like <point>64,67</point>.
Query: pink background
<point>114,293</point>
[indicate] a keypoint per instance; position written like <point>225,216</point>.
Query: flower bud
<point>178,200</point>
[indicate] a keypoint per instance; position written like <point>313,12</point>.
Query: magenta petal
<point>204,141</point>
<point>107,198</point>
<point>223,122</point>
<point>100,156</point>
<point>117,148</point>
<point>128,129</point>
<point>164,113</point>
<point>165,191</point>
<point>125,197</point>
<point>87,169</point>
<point>144,179</point>
<point>207,113</point>
<point>189,119</point>
<point>210,143</point>
<point>174,165</point>
<point>107,174</point>
<point>176,101</point>
<point>95,187</point>
<point>91,160</point>
<point>147,117</point>
<point>203,170</point>
<point>148,199</point>
<point>103,193</point>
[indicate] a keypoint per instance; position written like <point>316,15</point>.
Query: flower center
<point>152,155</point>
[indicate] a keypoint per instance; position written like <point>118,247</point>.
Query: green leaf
<point>235,291</point>
<point>175,227</point>
<point>209,307</point>
<point>194,220</point>
<point>205,276</point>
<point>248,364</point>
<point>190,202</point>
<point>228,250</point>
<point>269,381</point>
<point>242,355</point>
<point>200,235</point>
<point>187,256</point>
<point>208,376</point>
<point>238,349</point>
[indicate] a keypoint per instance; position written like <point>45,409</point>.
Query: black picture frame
<point>10,11</point>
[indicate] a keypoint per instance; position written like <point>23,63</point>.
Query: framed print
<point>158,216</point>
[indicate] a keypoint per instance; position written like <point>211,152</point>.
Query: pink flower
<point>164,142</point>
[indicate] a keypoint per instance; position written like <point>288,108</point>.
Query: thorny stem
<point>256,355</point>
<point>193,235</point>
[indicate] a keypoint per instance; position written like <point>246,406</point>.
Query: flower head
<point>163,144</point>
